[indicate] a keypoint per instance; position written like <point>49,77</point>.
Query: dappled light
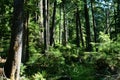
<point>59,40</point>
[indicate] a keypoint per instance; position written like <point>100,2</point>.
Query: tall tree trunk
<point>94,23</point>
<point>41,40</point>
<point>118,18</point>
<point>64,25</point>
<point>66,30</point>
<point>88,38</point>
<point>60,25</point>
<point>115,24</point>
<point>107,22</point>
<point>45,23</point>
<point>41,17</point>
<point>12,65</point>
<point>25,51</point>
<point>53,24</point>
<point>48,25</point>
<point>77,29</point>
<point>81,33</point>
<point>41,26</point>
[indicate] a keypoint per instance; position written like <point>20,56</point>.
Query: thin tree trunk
<point>12,65</point>
<point>45,23</point>
<point>88,38</point>
<point>25,53</point>
<point>115,17</point>
<point>77,29</point>
<point>81,33</point>
<point>53,24</point>
<point>64,25</point>
<point>66,32</point>
<point>60,26</point>
<point>94,23</point>
<point>41,33</point>
<point>118,18</point>
<point>107,24</point>
<point>48,25</point>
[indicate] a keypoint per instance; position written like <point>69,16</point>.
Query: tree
<point>64,24</point>
<point>81,33</point>
<point>87,24</point>
<point>117,18</point>
<point>12,65</point>
<point>25,51</point>
<point>45,24</point>
<point>93,20</point>
<point>60,24</point>
<point>77,28</point>
<point>53,24</point>
<point>41,23</point>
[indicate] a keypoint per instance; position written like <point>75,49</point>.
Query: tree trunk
<point>48,25</point>
<point>53,24</point>
<point>115,24</point>
<point>41,26</point>
<point>25,51</point>
<point>64,25</point>
<point>12,65</point>
<point>94,24</point>
<point>60,26</point>
<point>45,23</point>
<point>41,40</point>
<point>77,29</point>
<point>81,33</point>
<point>107,21</point>
<point>118,19</point>
<point>88,38</point>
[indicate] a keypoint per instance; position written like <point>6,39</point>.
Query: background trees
<point>60,37</point>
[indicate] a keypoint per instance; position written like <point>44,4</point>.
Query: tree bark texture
<point>60,25</point>
<point>12,65</point>
<point>45,23</point>
<point>94,23</point>
<point>64,41</point>
<point>77,29</point>
<point>25,51</point>
<point>80,28</point>
<point>88,38</point>
<point>118,18</point>
<point>53,24</point>
<point>41,23</point>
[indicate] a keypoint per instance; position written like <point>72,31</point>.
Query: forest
<point>59,39</point>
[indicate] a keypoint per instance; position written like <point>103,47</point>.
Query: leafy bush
<point>80,72</point>
<point>107,57</point>
<point>38,76</point>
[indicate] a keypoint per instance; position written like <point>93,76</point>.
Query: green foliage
<point>105,42</point>
<point>67,60</point>
<point>54,61</point>
<point>5,23</point>
<point>80,72</point>
<point>107,55</point>
<point>22,69</point>
<point>59,1</point>
<point>38,76</point>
